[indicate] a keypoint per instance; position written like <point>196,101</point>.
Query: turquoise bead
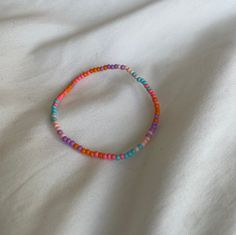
<point>130,154</point>
<point>133,73</point>
<point>140,146</point>
<point>126,155</point>
<point>117,157</point>
<point>132,151</point>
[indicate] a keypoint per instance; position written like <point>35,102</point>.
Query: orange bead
<point>75,146</point>
<point>91,153</point>
<point>155,120</point>
<point>100,155</point>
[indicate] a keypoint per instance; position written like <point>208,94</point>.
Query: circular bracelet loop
<point>92,153</point>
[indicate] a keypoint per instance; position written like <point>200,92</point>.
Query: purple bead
<point>112,66</point>
<point>72,143</point>
<point>153,128</point>
<point>109,66</point>
<point>116,66</point>
<point>122,66</point>
<point>64,139</point>
<point>79,148</point>
<point>101,68</point>
<point>59,132</point>
<point>156,116</point>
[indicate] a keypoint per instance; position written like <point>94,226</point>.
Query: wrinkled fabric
<point>183,182</point>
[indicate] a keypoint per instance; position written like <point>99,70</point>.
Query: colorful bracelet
<point>91,153</point>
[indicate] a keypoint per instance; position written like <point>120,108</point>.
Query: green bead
<point>53,119</point>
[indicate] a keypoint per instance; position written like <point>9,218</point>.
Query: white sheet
<point>183,182</point>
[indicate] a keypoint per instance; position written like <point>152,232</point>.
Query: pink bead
<point>150,132</point>
<point>60,97</point>
<point>122,156</point>
<point>113,157</point>
<point>144,143</point>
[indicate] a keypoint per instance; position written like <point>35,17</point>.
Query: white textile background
<point>183,182</point>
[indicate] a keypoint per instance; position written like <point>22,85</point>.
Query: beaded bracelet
<point>91,153</point>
